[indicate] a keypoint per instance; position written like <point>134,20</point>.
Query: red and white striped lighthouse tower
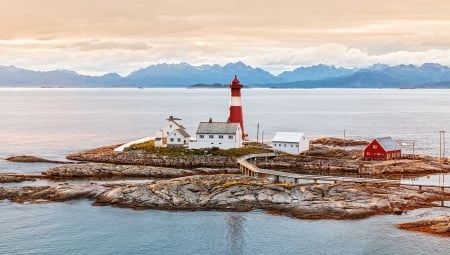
<point>235,114</point>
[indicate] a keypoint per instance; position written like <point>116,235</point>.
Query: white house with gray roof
<point>173,133</point>
<point>178,138</point>
<point>222,135</point>
<point>290,142</point>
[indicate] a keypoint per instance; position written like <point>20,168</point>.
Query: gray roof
<point>288,137</point>
<point>183,132</point>
<point>388,143</point>
<point>174,120</point>
<point>217,128</point>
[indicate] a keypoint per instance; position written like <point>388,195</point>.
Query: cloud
<point>124,56</point>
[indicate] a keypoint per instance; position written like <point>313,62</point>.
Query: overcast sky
<point>101,36</point>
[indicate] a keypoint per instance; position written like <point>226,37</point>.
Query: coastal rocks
<point>333,141</point>
<point>5,178</point>
<point>140,157</point>
<point>33,159</point>
<point>405,167</point>
<point>311,164</point>
<point>101,170</point>
<point>239,193</point>
<point>439,226</point>
<point>62,192</point>
<point>336,165</point>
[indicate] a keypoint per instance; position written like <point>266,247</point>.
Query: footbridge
<point>247,168</point>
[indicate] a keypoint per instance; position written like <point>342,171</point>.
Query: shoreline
<point>238,193</point>
<point>205,182</point>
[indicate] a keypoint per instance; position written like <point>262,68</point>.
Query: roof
<point>388,143</point>
<point>178,124</point>
<point>183,132</point>
<point>217,128</point>
<point>174,120</point>
<point>289,137</point>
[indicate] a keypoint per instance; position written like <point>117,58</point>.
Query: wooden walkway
<point>250,169</point>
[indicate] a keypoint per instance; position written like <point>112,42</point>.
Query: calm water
<point>54,122</point>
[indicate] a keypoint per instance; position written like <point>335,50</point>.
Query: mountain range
<point>183,75</point>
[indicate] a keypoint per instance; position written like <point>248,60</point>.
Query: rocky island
<point>438,226</point>
<point>181,179</point>
<point>239,193</point>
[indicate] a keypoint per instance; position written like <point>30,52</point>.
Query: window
<point>220,136</point>
<point>291,145</point>
<point>171,139</point>
<point>211,136</point>
<point>167,133</point>
<point>170,126</point>
<point>274,145</point>
<point>296,145</point>
<point>230,137</point>
<point>284,145</point>
<point>179,139</point>
<point>375,146</point>
<point>201,136</point>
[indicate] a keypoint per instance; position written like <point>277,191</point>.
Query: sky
<point>102,36</point>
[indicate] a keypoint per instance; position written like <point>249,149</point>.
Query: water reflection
<point>236,234</point>
<point>432,179</point>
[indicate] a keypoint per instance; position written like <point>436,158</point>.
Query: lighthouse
<point>235,114</point>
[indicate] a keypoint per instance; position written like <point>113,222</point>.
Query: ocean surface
<point>51,123</point>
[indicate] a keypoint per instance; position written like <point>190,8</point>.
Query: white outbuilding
<point>178,138</point>
<point>222,135</point>
<point>172,134</point>
<point>290,142</point>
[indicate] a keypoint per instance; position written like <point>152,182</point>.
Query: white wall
<point>175,138</point>
<point>164,132</point>
<point>291,148</point>
<point>205,141</point>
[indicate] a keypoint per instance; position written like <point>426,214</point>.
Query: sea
<point>53,122</point>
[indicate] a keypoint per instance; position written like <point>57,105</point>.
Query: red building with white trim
<point>383,148</point>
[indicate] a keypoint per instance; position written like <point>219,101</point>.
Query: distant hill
<point>359,79</point>
<point>313,73</point>
<point>183,75</point>
<point>208,86</point>
<point>16,77</point>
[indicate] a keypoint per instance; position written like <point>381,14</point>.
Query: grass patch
<point>150,148</point>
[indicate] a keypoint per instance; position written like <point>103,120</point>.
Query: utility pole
<point>344,140</point>
<point>442,156</point>
<point>414,155</point>
<point>262,137</point>
<point>257,133</point>
<point>441,145</point>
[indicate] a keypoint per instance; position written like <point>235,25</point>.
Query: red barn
<point>383,148</point>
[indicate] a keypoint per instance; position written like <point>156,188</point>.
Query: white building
<point>290,142</point>
<point>172,133</point>
<point>223,135</point>
<point>178,137</point>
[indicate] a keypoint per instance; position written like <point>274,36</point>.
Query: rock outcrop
<point>307,164</point>
<point>5,178</point>
<point>34,159</point>
<point>238,193</point>
<point>140,157</point>
<point>333,141</point>
<point>101,170</point>
<point>439,226</point>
